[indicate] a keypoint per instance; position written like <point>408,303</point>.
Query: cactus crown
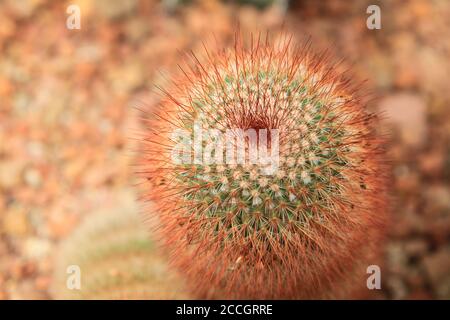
<point>234,215</point>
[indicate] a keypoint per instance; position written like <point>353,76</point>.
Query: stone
<point>432,163</point>
<point>10,174</point>
<point>438,198</point>
<point>407,112</point>
<point>416,247</point>
<point>16,222</point>
<point>33,177</point>
<point>36,248</point>
<point>437,268</point>
<point>114,9</point>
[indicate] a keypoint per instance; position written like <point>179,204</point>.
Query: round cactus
<point>116,260</point>
<point>305,228</point>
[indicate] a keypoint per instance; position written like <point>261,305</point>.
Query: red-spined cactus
<point>309,228</point>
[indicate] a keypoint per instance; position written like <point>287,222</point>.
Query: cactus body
<point>307,230</point>
<point>117,260</point>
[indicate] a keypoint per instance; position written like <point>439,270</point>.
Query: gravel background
<point>67,118</point>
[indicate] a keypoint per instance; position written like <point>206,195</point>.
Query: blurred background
<point>67,116</point>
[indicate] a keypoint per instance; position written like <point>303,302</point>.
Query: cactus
<point>307,230</point>
<point>117,260</point>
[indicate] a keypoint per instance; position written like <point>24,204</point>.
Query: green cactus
<point>116,258</point>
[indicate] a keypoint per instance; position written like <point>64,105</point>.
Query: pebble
<point>407,112</point>
<point>416,247</point>
<point>114,9</point>
<point>36,248</point>
<point>10,174</point>
<point>437,268</point>
<point>438,198</point>
<point>15,221</point>
<point>33,178</point>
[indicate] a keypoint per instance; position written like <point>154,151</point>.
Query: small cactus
<point>116,259</point>
<point>307,230</point>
